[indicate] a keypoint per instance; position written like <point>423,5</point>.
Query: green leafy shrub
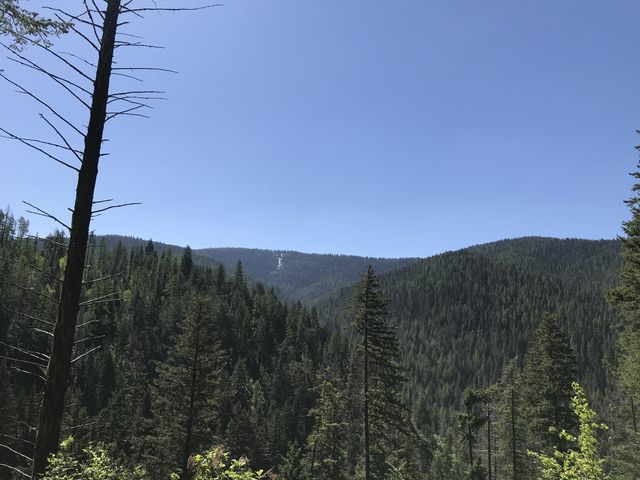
<point>94,463</point>
<point>584,462</point>
<point>215,464</point>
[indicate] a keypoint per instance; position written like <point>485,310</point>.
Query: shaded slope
<point>461,315</point>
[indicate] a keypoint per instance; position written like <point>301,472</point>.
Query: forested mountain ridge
<point>462,315</point>
<point>171,353</point>
<point>295,276</point>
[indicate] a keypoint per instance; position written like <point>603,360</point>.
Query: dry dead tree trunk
<point>60,360</point>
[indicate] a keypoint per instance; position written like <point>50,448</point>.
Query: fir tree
<point>550,369</point>
<point>511,425</point>
<point>626,297</point>
<point>327,444</point>
<point>384,413</point>
<point>186,391</point>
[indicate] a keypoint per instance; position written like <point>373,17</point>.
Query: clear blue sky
<point>378,128</point>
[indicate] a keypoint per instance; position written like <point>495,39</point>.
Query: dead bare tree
<point>98,26</point>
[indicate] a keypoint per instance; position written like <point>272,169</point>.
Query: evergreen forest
<point>130,359</point>
<point>470,360</point>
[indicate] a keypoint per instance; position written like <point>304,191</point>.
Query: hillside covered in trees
<point>127,359</point>
<point>295,276</point>
<point>173,357</point>
<point>463,315</point>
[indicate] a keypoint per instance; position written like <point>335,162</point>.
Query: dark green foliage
<point>295,276</point>
<point>274,384</point>
<point>255,368</point>
<point>385,416</point>
<point>462,316</point>
<point>327,443</point>
<point>512,424</point>
<point>550,369</point>
<point>471,419</point>
<point>445,464</point>
<point>187,390</point>
<point>626,384</point>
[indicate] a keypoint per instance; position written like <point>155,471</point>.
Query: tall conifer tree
<point>186,392</point>
<point>384,413</point>
<point>627,297</point>
<point>550,369</point>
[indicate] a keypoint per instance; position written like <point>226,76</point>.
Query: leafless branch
<point>127,112</point>
<point>35,140</point>
<point>30,317</point>
<point>33,267</point>
<point>35,292</point>
<point>42,213</point>
<point>46,239</point>
<point>120,74</point>
<point>37,355</point>
<point>16,452</point>
<point>75,152</point>
<point>17,470</point>
<point>86,323</point>
<point>177,9</point>
<point>39,330</point>
<point>116,206</point>
<point>102,279</point>
<point>100,299</point>
<point>16,438</point>
<point>92,65</point>
<point>59,80</point>
<point>88,339</point>
<point>23,361</point>
<point>88,352</point>
<point>26,372</point>
<point>42,102</point>
<point>44,152</point>
<point>122,43</point>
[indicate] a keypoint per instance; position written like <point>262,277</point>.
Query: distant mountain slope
<point>295,276</point>
<point>301,276</point>
<point>461,315</point>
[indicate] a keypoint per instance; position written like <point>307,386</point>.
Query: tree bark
<point>60,360</point>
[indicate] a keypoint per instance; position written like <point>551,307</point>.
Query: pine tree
<point>327,444</point>
<point>385,416</point>
<point>626,297</point>
<point>186,393</point>
<point>471,419</point>
<point>550,369</point>
<point>511,425</point>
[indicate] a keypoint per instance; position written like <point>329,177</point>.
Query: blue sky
<point>377,128</point>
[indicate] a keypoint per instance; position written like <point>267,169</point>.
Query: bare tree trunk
<point>60,360</point>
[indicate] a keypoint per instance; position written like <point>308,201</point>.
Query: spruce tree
<point>186,391</point>
<point>626,297</point>
<point>327,444</point>
<point>385,416</point>
<point>550,369</point>
<point>511,424</point>
<point>471,419</point>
